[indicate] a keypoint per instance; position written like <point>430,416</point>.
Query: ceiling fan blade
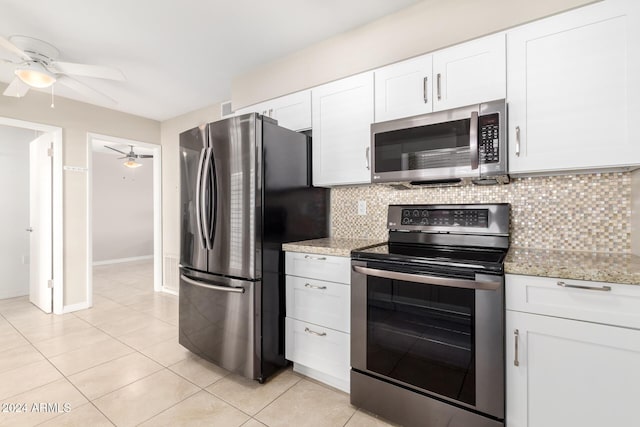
<point>16,88</point>
<point>87,70</point>
<point>86,91</point>
<point>115,149</point>
<point>144,156</point>
<point>7,45</point>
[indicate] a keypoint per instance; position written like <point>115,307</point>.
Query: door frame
<point>157,207</point>
<point>57,198</point>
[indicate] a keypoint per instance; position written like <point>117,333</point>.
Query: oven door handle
<point>484,282</point>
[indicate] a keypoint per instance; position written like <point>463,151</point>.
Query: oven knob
<point>406,221</point>
<point>424,221</point>
<point>416,213</point>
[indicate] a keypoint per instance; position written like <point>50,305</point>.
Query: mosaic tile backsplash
<point>569,212</point>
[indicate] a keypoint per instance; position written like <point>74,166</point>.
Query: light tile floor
<point>119,363</point>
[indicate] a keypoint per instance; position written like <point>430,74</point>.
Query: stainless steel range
<point>427,317</point>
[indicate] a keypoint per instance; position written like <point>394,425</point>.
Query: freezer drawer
<point>219,321</point>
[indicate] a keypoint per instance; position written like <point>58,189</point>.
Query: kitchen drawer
<point>321,349</point>
<point>618,305</point>
<point>319,302</point>
<point>321,267</point>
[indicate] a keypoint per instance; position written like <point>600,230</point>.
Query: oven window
<point>422,335</point>
<point>422,147</point>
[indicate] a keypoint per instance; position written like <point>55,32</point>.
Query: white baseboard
<point>169,291</point>
<point>75,307</point>
<point>120,260</point>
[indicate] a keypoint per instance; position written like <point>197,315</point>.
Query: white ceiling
<point>178,56</point>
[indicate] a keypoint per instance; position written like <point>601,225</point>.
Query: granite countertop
<point>595,266</point>
<point>576,265</point>
<point>329,246</point>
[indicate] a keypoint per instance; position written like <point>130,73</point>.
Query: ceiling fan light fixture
<point>35,75</point>
<point>132,164</point>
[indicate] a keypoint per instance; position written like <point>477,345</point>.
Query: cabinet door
<point>291,111</point>
<point>570,373</point>
<point>323,303</point>
<point>342,116</point>
<point>404,89</point>
<point>573,89</point>
<point>470,73</point>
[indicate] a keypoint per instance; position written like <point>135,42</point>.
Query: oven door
<point>438,334</point>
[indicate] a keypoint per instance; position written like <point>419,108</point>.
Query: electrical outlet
<point>362,207</point>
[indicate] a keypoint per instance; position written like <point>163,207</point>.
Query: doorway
<point>32,246</point>
<point>124,218</point>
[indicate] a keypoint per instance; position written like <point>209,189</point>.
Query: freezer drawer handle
<point>486,283</point>
<point>317,258</point>
<point>212,287</point>
<point>589,288</point>
<point>309,285</point>
<point>320,334</point>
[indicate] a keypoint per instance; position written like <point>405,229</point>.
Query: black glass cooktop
<point>483,258</point>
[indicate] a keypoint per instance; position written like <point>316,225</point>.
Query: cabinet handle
<point>425,84</point>
<point>439,86</point>
<point>517,141</point>
<point>308,285</point>
<point>320,334</point>
<point>517,336</point>
<point>317,258</point>
<point>366,156</point>
<point>589,288</point>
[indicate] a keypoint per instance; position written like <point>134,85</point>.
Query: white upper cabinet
<point>291,111</point>
<point>574,90</point>
<point>468,73</point>
<point>342,117</point>
<point>404,89</point>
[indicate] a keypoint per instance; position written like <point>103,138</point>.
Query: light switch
<point>362,207</point>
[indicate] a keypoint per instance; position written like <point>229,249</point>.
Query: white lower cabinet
<point>317,325</point>
<point>563,372</point>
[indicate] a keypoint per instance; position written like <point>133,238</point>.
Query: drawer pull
<point>589,288</point>
<point>515,359</point>
<point>320,334</point>
<point>317,258</point>
<point>309,285</point>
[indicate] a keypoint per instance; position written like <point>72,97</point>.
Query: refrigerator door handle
<point>199,200</point>
<point>210,286</point>
<point>214,199</point>
<point>204,189</point>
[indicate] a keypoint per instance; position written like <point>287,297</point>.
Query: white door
<point>342,114</point>
<point>40,220</point>
<point>573,90</point>
<point>470,73</point>
<point>404,89</point>
<point>570,373</point>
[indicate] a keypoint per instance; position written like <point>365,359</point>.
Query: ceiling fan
<point>131,157</point>
<point>37,66</point>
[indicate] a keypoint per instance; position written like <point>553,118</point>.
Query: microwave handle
<point>473,140</point>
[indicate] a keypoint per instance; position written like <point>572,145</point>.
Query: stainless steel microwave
<point>467,143</point>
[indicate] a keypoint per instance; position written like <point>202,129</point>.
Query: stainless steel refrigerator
<point>245,190</point>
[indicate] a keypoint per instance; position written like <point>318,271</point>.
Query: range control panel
<point>489,138</point>
<point>446,217</point>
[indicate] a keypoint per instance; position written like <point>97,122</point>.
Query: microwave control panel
<point>489,138</point>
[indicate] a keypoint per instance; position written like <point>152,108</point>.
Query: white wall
<point>427,26</point>
<point>77,119</point>
<point>14,215</point>
<point>122,208</point>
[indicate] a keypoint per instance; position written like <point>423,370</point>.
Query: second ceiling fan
<point>131,157</point>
